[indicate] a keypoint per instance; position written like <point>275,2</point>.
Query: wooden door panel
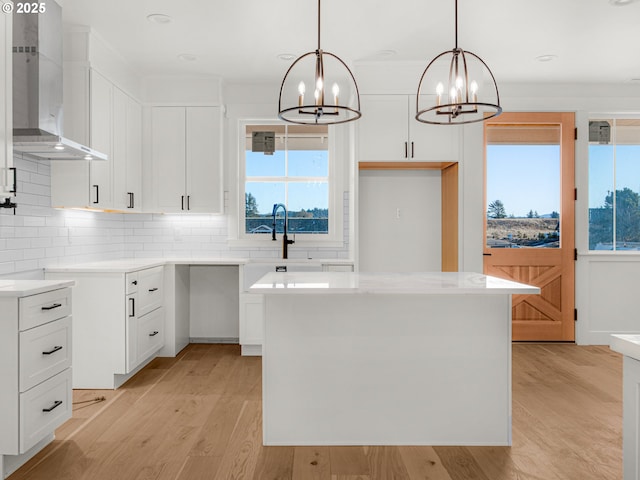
<point>550,315</point>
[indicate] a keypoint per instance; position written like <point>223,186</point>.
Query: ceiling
<point>593,41</point>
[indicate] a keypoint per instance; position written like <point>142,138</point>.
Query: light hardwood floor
<point>198,416</point>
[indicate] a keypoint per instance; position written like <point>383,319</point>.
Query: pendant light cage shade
<point>457,87</point>
<point>319,89</point>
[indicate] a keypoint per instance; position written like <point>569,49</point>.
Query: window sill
<point>277,245</point>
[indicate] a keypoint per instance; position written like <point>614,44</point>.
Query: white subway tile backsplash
<point>39,235</point>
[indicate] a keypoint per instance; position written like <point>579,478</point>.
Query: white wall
<point>400,228</point>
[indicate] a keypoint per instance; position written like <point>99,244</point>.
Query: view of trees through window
<point>289,165</point>
<point>523,192</point>
<point>614,184</point>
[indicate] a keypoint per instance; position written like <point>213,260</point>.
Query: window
<point>289,165</point>
<point>614,184</point>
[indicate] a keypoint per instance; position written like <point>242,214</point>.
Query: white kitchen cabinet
<point>7,178</point>
<point>127,152</point>
<point>99,114</point>
<point>101,128</point>
<point>35,372</point>
<point>186,159</point>
<point>119,324</point>
<point>389,132</point>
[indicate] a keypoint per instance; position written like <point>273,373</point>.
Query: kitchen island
<point>387,359</point>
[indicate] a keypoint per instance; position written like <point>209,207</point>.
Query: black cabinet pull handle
<point>56,404</point>
<point>188,202</point>
<point>55,349</point>
<point>130,199</point>
<point>133,307</point>
<point>406,149</point>
<point>135,282</point>
<point>14,188</point>
<point>486,254</point>
<point>182,203</point>
<point>153,289</point>
<point>412,149</point>
<point>153,334</point>
<point>97,187</point>
<point>51,307</point>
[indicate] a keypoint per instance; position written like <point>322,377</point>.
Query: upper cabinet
<point>7,178</point>
<point>186,159</point>
<point>389,132</point>
<point>127,153</point>
<point>100,114</point>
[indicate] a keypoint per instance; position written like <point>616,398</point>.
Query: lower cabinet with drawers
<point>35,369</point>
<point>118,324</point>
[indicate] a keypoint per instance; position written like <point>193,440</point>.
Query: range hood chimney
<point>37,88</point>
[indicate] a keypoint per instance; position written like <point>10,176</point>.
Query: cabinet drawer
<point>150,290</point>
<point>43,308</point>
<point>44,352</point>
<point>44,408</point>
<point>132,283</point>
<point>150,333</point>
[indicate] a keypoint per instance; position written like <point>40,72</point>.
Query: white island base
<point>380,368</point>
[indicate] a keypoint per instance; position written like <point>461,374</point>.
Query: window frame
<point>598,116</point>
<point>335,179</point>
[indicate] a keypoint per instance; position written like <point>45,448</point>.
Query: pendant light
<point>319,89</point>
<point>457,87</point>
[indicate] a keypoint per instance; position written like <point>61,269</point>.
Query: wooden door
<point>529,161</point>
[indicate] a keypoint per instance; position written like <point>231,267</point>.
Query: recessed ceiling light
<point>187,57</point>
<point>159,18</point>
<point>287,57</point>
<point>546,58</point>
<point>620,3</point>
<point>385,53</point>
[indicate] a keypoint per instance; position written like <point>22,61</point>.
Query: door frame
<point>566,120</point>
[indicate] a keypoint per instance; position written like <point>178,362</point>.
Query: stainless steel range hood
<point>37,89</point>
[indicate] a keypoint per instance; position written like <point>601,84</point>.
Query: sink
<point>255,271</point>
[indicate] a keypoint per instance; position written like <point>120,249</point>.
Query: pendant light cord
<point>456,18</point>
<point>318,24</point>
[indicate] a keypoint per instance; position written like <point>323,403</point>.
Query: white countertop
<point>126,265</point>
<point>628,345</point>
<point>390,283</point>
<point>23,288</point>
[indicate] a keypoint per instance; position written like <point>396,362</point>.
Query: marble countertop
<point>628,345</point>
<point>126,265</point>
<point>23,288</point>
<point>390,283</point>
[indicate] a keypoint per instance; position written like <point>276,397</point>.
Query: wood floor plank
<point>274,463</point>
<point>423,463</point>
<point>241,455</point>
<point>312,463</point>
<point>460,464</point>
<point>198,416</point>
<point>349,461</point>
<point>386,463</point>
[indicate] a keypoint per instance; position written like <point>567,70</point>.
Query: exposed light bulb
<point>474,91</point>
<point>301,88</point>
<point>459,82</point>
<point>453,95</point>
<point>335,89</point>
<point>440,88</point>
<point>319,83</point>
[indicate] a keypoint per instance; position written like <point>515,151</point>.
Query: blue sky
<point>601,170</point>
<point>301,163</point>
<point>524,178</point>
